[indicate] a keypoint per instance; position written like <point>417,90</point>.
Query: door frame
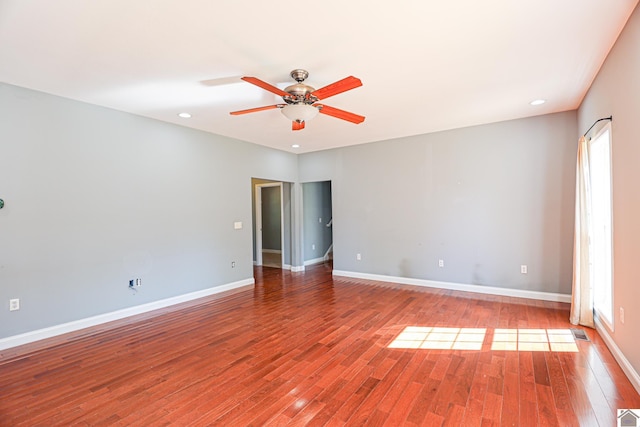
<point>258,207</point>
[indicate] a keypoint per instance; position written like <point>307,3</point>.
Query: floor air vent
<point>579,334</point>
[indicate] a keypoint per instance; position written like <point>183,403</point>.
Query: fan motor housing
<point>299,92</point>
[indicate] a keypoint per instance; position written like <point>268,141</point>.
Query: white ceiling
<point>425,65</point>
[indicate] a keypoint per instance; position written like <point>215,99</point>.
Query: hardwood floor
<point>308,349</point>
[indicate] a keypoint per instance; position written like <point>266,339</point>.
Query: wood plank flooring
<point>309,349</point>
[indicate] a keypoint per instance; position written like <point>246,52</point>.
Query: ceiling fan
<point>301,100</point>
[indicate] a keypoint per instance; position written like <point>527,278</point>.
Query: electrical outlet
<point>313,247</point>
<point>523,269</point>
<point>358,257</point>
<point>441,263</point>
<point>233,264</point>
<point>138,282</point>
<point>320,220</point>
<point>622,315</point>
<point>14,304</point>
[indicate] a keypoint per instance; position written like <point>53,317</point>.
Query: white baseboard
<point>297,269</point>
<point>314,261</point>
<point>271,251</point>
<point>52,331</point>
<point>492,290</point>
<point>631,373</point>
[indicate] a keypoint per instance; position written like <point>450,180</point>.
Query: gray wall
<point>616,91</point>
<point>95,197</point>
<point>485,199</point>
<point>316,206</point>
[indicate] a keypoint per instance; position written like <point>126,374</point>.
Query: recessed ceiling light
<point>184,115</point>
<point>538,102</point>
<point>295,146</point>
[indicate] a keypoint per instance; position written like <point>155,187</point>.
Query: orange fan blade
<point>265,86</point>
<point>341,114</point>
<point>297,125</point>
<point>340,86</point>
<point>253,110</point>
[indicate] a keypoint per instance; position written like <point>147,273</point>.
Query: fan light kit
<point>299,112</point>
<point>301,100</point>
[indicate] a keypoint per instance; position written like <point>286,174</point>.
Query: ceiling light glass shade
<point>299,112</point>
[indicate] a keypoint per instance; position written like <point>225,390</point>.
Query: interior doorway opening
<point>271,223</point>
<point>317,221</point>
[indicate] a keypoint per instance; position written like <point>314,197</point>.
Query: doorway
<point>317,222</point>
<point>271,223</point>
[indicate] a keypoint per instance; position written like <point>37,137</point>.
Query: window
<point>601,215</point>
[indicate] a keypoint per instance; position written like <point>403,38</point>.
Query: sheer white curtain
<point>581,295</point>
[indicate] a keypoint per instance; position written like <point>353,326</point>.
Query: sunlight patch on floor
<point>560,340</point>
<point>440,338</point>
<point>521,339</point>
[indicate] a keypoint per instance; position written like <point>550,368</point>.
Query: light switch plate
<point>237,225</point>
